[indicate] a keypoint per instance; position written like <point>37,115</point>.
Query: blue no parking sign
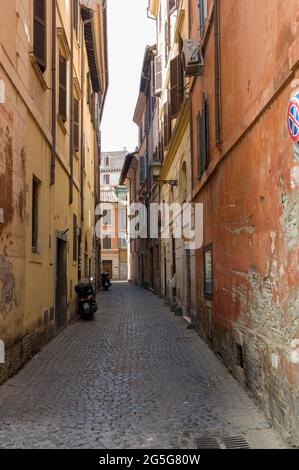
<point>293,118</point>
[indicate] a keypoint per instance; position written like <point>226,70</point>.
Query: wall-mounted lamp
<point>156,171</point>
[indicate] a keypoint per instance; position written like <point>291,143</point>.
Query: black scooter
<point>105,281</point>
<point>87,305</point>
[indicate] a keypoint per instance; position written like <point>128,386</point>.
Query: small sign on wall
<point>293,118</point>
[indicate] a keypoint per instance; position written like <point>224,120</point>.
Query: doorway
<point>107,267</point>
<point>61,284</point>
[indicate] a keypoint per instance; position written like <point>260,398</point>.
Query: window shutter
<point>202,5</point>
<point>40,33</point>
<point>166,120</point>
<point>172,5</point>
<point>199,145</point>
<point>142,169</point>
<point>62,87</point>
<point>160,148</point>
<point>76,15</point>
<point>174,86</point>
<point>203,139</point>
<point>76,125</point>
<point>158,75</point>
<point>205,121</point>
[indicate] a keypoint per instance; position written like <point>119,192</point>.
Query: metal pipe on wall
<point>54,93</point>
<point>71,191</point>
<point>217,72</point>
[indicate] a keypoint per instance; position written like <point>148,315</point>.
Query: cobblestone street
<point>135,378</point>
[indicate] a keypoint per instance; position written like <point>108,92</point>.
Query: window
<point>123,219</point>
<point>123,241</point>
<point>107,179</point>
<point>40,33</point>
<point>62,87</point>
<point>202,138</point>
<point>107,162</point>
<point>107,242</point>
<point>208,272</point>
<point>203,13</point>
<point>75,238</point>
<point>35,215</point>
<point>107,217</point>
<point>76,125</point>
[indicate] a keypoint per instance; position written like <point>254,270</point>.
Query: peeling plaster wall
<point>12,205</point>
<point>27,278</point>
<point>251,208</point>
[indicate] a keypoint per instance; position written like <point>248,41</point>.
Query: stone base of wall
<point>247,357</point>
<point>21,352</point>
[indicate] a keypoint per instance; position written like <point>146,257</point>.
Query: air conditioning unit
<point>193,58</point>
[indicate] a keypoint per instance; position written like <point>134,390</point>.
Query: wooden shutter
<point>76,125</point>
<point>158,75</point>
<point>199,145</point>
<point>205,121</point>
<point>203,139</point>
<point>40,33</point>
<point>165,123</point>
<point>62,87</point>
<point>202,14</point>
<point>174,86</point>
<point>142,169</point>
<point>172,6</point>
<point>160,148</point>
<point>75,15</point>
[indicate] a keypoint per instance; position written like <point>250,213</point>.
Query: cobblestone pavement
<point>135,378</point>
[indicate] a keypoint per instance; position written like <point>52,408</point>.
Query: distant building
<point>114,247</point>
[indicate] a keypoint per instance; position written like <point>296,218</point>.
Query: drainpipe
<point>82,122</point>
<point>191,111</point>
<point>71,191</point>
<point>54,105</point>
<point>217,74</point>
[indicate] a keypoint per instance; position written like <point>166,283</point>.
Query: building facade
<point>216,111</point>
<point>54,76</point>
<point>113,203</point>
<point>245,172</point>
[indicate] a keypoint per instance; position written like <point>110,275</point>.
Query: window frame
<point>105,238</point>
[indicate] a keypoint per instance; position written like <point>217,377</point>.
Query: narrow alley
<point>134,378</point>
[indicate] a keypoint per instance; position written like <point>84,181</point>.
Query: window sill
<point>62,124</point>
<point>38,72</point>
<point>36,258</point>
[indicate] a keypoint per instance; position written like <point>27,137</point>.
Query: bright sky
<point>129,31</point>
